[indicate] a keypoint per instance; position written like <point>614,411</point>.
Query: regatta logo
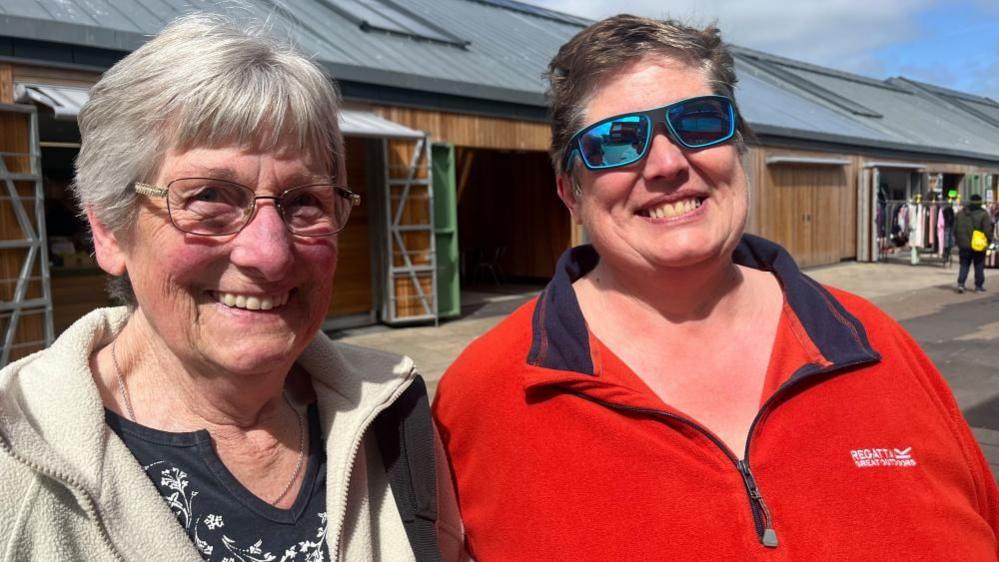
<point>870,458</point>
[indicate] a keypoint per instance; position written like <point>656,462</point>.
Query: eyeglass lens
<point>701,122</point>
<point>620,141</point>
<point>216,207</point>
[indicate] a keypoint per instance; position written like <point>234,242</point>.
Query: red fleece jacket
<point>866,462</point>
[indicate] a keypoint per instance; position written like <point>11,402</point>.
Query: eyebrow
<point>227,174</point>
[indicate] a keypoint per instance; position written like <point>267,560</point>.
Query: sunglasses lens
<point>615,143</point>
<point>702,122</point>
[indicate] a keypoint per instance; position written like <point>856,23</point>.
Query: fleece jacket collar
<point>560,339</point>
<point>52,418</point>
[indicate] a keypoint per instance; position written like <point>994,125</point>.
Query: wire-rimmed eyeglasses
<point>214,207</point>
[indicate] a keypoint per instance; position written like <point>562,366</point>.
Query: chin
<point>687,252</point>
<point>251,355</point>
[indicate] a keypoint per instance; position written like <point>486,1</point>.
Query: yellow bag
<point>978,241</point>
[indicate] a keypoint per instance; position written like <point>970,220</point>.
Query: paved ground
<point>959,332</point>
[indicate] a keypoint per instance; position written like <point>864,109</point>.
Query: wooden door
<point>812,218</point>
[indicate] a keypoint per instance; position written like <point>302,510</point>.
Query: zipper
<point>762,517</point>
<point>79,492</point>
<point>761,513</point>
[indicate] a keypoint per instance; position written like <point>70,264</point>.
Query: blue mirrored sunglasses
<point>624,139</point>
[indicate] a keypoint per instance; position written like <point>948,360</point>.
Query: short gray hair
<point>206,80</point>
<point>608,46</point>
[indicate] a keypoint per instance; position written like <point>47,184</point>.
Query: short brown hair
<point>610,45</point>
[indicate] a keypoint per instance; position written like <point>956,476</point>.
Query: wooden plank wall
<point>352,292</point>
<point>474,131</point>
<point>809,209</point>
<point>54,76</point>
<point>782,195</point>
<point>6,83</point>
<point>508,200</point>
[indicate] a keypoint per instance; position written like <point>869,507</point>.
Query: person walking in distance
<point>968,221</point>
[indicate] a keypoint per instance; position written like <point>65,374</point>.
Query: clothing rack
<point>992,252</point>
<point>914,231</point>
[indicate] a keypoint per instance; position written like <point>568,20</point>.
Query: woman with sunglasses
<point>209,417</point>
<point>680,390</point>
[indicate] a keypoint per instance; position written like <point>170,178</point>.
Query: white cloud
<point>840,34</point>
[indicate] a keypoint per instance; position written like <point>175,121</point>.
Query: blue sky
<point>950,43</point>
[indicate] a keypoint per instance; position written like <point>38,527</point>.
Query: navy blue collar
<point>560,339</point>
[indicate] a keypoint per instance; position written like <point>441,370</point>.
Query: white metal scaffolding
<point>28,294</point>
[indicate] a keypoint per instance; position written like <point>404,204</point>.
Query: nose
<point>665,160</point>
<point>264,245</point>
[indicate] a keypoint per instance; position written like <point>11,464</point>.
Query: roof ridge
<point>948,91</point>
<point>811,67</point>
<point>537,11</point>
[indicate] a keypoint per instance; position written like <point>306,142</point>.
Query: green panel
<point>446,231</point>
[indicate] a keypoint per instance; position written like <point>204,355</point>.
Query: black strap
<point>406,440</point>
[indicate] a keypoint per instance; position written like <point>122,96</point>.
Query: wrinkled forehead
<point>285,138</point>
<point>278,167</point>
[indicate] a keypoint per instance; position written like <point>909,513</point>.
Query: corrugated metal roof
<point>497,50</point>
<point>912,118</point>
<point>768,104</point>
<point>904,114</point>
<point>66,102</point>
<point>508,48</point>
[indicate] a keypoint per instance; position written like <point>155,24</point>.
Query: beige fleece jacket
<point>71,490</point>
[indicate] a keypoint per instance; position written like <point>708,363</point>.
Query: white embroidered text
<point>869,458</point>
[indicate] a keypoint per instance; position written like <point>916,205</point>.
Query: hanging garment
<point>931,226</point>
<point>941,231</point>
<point>916,223</point>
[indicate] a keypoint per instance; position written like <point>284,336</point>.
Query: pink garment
<point>941,236</point>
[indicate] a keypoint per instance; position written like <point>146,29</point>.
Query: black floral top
<point>226,522</point>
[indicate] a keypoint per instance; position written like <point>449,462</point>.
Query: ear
<point>567,194</point>
<point>108,251</point>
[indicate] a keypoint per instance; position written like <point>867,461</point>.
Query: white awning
<point>357,123</point>
<point>812,160</point>
<point>66,102</point>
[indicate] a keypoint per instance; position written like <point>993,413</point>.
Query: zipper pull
<point>769,536</point>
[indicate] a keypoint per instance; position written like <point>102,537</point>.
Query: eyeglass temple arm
<point>150,190</point>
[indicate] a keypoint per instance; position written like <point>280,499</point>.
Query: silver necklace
<point>301,451</point>
<point>298,416</point>
<point>121,381</point>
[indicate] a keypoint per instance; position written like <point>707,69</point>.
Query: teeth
<point>251,302</point>
<point>675,209</point>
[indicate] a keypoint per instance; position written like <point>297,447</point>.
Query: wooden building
<point>447,142</point>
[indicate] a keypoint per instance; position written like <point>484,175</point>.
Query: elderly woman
<point>212,173</point>
<point>680,390</point>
